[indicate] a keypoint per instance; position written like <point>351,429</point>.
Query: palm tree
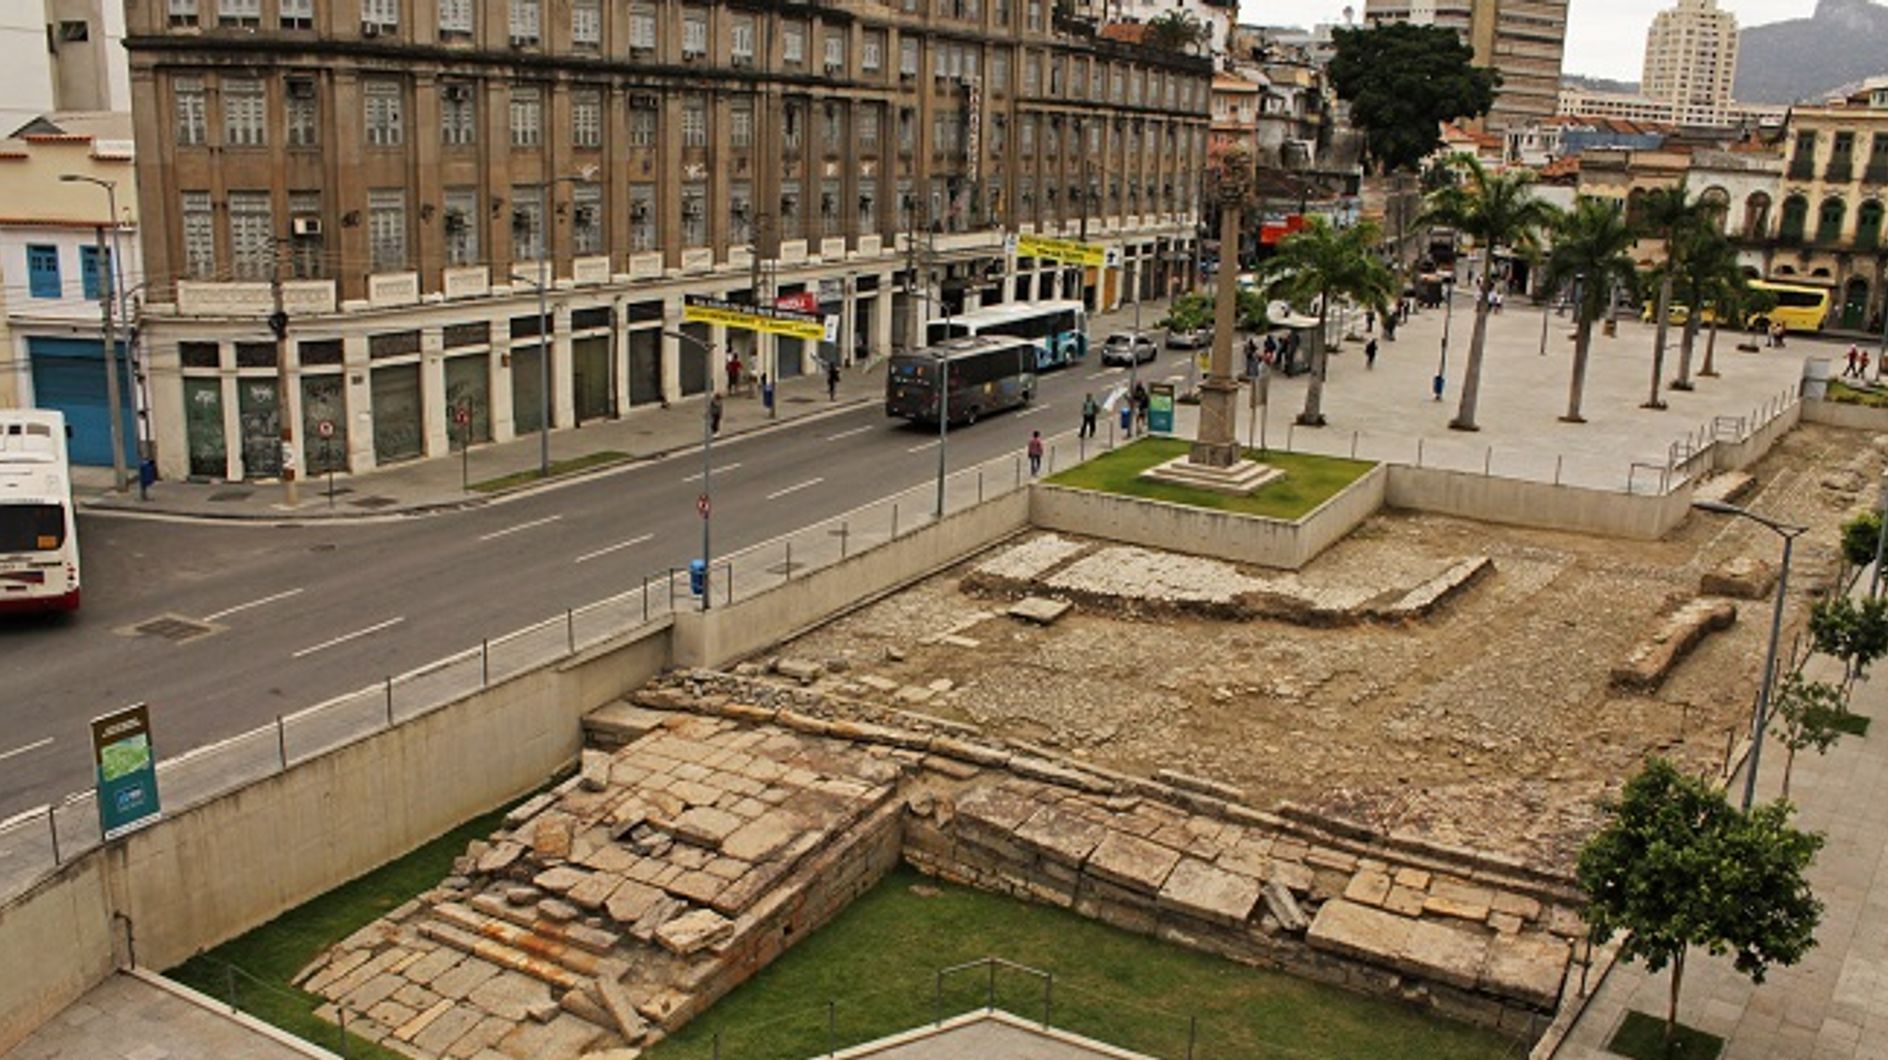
<point>1592,252</point>
<point>1668,214</point>
<point>1320,264</point>
<point>1176,31</point>
<point>1495,209</point>
<point>1706,266</point>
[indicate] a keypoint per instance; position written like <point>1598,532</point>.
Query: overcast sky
<point>1605,38</point>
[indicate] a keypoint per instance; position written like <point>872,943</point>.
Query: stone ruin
<point>734,816</point>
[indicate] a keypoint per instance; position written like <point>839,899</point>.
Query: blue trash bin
<point>697,577</point>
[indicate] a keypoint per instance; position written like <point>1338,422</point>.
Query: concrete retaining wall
<point>1736,456</point>
<point>207,873</point>
<point>1221,535</point>
<point>718,636</point>
<point>1841,414</point>
<point>1537,504</point>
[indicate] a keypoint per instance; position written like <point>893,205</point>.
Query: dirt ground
<point>1490,723</point>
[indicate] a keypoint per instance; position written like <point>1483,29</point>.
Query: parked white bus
<point>1058,328</point>
<point>39,538</point>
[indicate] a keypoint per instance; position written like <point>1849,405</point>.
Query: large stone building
<point>1828,221</point>
<point>1522,40</point>
<point>405,169</point>
<point>1690,61</point>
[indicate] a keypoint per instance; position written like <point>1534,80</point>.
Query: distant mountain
<point>1600,84</point>
<point>1806,58</point>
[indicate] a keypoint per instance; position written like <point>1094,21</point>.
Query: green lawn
<point>1843,393</point>
<point>558,467</point>
<point>1309,480</point>
<point>260,964</point>
<point>878,963</point>
<point>1642,1037</point>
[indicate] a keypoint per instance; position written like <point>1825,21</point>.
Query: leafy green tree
<point>1854,631</point>
<point>1706,264</point>
<point>1495,209</point>
<point>1177,31</point>
<point>1676,866</point>
<point>1859,538</point>
<point>1670,215</point>
<point>1403,81</point>
<point>1806,714</point>
<point>1189,312</point>
<point>1319,264</point>
<point>1592,253</point>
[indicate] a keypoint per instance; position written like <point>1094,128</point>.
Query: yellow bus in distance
<point>1799,308</point>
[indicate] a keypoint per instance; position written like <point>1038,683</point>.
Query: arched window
<point>1635,208</point>
<point>1757,217</point>
<point>1795,219</point>
<point>1868,225</point>
<point>1829,220</point>
<point>1716,202</point>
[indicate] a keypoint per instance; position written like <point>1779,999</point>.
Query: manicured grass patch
<point>1843,393</point>
<point>260,963</point>
<point>1852,724</point>
<point>1309,480</point>
<point>558,467</point>
<point>1642,1037</point>
<point>878,963</point>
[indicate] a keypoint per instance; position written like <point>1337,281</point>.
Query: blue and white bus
<point>1059,329</point>
<point>39,538</point>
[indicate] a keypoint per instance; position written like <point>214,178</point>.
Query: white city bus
<point>1058,328</point>
<point>39,538</point>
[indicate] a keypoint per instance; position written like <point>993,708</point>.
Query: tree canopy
<point>1177,31</point>
<point>1402,82</point>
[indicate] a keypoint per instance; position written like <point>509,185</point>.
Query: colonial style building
<point>1828,221</point>
<point>401,173</point>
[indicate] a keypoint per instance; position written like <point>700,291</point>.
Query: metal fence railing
<point>37,841</point>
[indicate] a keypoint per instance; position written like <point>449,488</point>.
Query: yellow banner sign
<point>1067,251</point>
<point>768,319</point>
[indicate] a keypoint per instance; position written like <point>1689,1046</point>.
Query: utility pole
<point>278,323</point>
<point>112,397</point>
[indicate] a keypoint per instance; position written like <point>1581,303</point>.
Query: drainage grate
<point>173,628</point>
<point>373,502</point>
<point>231,495</point>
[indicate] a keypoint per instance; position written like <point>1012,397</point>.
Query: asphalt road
<point>305,613</point>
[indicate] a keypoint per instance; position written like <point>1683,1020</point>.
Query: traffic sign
<point>325,428</point>
<point>462,415</point>
<point>701,505</point>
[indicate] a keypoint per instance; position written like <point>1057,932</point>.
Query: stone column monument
<point>1217,444</point>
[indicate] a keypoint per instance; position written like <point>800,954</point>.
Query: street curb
<point>126,508</point>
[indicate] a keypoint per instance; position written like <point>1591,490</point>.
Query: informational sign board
<point>769,320</point>
<point>1067,251</point>
<point>126,770</point>
<point>1160,408</point>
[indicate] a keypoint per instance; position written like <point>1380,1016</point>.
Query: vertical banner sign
<point>1160,408</point>
<point>127,770</point>
<point>973,129</point>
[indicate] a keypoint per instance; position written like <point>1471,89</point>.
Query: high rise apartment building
<point>406,170</point>
<point>1690,61</point>
<point>1522,40</point>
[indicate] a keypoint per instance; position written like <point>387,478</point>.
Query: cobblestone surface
<point>1490,724</point>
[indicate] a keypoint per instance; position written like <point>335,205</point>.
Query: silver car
<point>1124,347</point>
<point>1193,339</point>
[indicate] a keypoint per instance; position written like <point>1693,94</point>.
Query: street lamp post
<point>707,449</point>
<point>106,294</point>
<point>1789,533</point>
<point>544,314</point>
<point>1448,317</point>
<point>1881,533</point>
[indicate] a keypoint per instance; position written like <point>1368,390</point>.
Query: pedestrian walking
<point>1089,411</point>
<point>1389,328</point>
<point>1127,416</point>
<point>714,413</point>
<point>734,371</point>
<point>1862,372</point>
<point>1370,354</point>
<point>1143,404</point>
<point>1370,321</point>
<point>832,380</point>
<point>1035,453</point>
<point>1854,355</point>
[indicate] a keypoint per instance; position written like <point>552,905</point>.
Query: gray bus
<point>987,373</point>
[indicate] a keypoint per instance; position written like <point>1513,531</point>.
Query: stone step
<point>582,936</point>
<point>535,946</point>
<point>620,724</point>
<point>504,956</point>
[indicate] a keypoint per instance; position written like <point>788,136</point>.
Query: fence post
<point>52,831</point>
<point>1193,1034</point>
<point>1048,993</point>
<point>717,1042</point>
<point>341,1011</point>
<point>570,629</point>
<point>485,657</point>
<point>894,520</point>
<point>281,741</point>
<point>990,1000</point>
<point>1019,472</point>
<point>645,597</point>
<point>1558,457</point>
<point>1353,445</point>
<point>844,530</point>
<point>1419,452</point>
<point>789,559</point>
<point>229,985</point>
<point>1290,427</point>
<point>1052,460</point>
<point>832,1033</point>
<point>730,583</point>
<point>937,1003</point>
<point>1488,461</point>
<point>979,485</point>
<point>389,686</point>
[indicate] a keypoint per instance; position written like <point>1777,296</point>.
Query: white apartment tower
<point>1690,61</point>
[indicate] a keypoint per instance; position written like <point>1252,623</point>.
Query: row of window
<point>44,280</point>
<point>954,205</point>
<point>385,119</point>
<point>1840,167</point>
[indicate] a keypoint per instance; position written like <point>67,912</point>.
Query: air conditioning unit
<point>454,220</point>
<point>519,41</point>
<point>301,89</point>
<point>644,100</point>
<point>458,93</point>
<point>306,226</point>
<point>370,29</point>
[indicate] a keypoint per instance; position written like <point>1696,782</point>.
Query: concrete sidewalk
<point>1834,1004</point>
<point>139,1016</point>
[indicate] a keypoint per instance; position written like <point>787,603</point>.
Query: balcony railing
<point>1841,170</point>
<point>1802,167</point>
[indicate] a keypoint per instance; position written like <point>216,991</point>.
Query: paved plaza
<point>127,1017</point>
<point>985,1037</point>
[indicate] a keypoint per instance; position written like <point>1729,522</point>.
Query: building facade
<point>405,174</point>
<point>1522,40</point>
<point>61,55</point>
<point>53,352</point>
<point>1690,62</point>
<point>1827,227</point>
<point>1216,15</point>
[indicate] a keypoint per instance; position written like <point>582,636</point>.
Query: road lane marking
<point>4,755</point>
<point>345,637</point>
<point>777,494</point>
<point>1033,409</point>
<point>921,448</point>
<point>228,611</point>
<point>496,534</point>
<point>850,433</point>
<point>696,477</point>
<point>1098,375</point>
<point>618,547</point>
